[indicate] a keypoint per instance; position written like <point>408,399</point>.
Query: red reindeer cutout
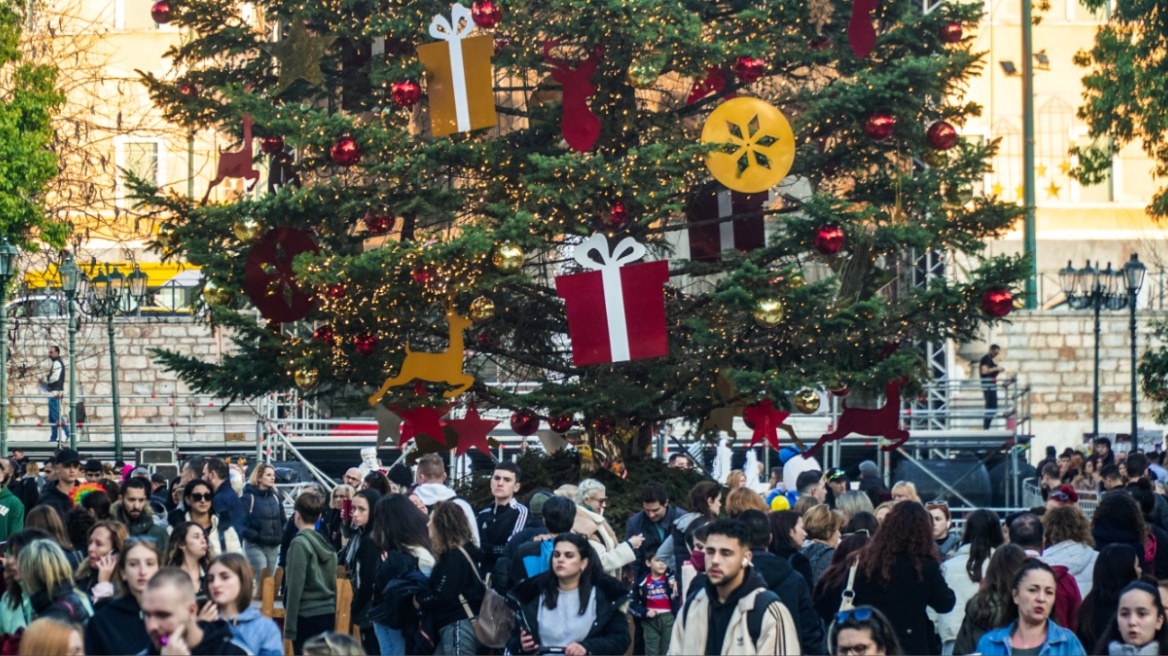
<point>236,164</point>
<point>580,126</point>
<point>882,422</point>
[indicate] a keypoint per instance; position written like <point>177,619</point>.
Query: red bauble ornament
<point>941,136</point>
<point>365,343</point>
<point>749,69</point>
<point>324,334</point>
<point>841,391</point>
<point>188,90</point>
<point>562,423</point>
<point>346,151</point>
<point>603,426</point>
<point>502,42</point>
<point>160,12</point>
<point>422,276</point>
<point>617,218</point>
<point>951,33</point>
<point>829,239</point>
<point>379,224</point>
<point>997,302</point>
<point>272,145</point>
<point>337,290</point>
<point>406,93</point>
<point>820,43</point>
<point>524,422</point>
<point>486,14</point>
<point>880,126</point>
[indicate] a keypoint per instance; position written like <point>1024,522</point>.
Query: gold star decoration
<point>1053,190</point>
<point>299,56</point>
<point>1065,167</point>
<point>1041,168</point>
<point>997,189</point>
<point>1020,191</point>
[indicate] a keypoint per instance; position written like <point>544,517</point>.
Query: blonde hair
<point>887,505</point>
<point>805,502</point>
<point>47,636</point>
<point>346,490</point>
<point>735,478</point>
<point>910,488</point>
<point>331,643</point>
<point>256,473</point>
<point>32,468</point>
<point>822,522</point>
<point>43,566</point>
<point>742,499</point>
<point>852,503</point>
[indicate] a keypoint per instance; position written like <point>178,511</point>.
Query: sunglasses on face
<point>197,497</point>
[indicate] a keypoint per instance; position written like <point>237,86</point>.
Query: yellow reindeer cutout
<point>444,367</point>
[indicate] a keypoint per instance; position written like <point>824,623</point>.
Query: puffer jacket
<point>1078,558</point>
<point>265,517</point>
<point>819,555</point>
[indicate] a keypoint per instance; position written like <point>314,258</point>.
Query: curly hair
<point>906,531</point>
<point>1064,523</point>
<point>449,528</point>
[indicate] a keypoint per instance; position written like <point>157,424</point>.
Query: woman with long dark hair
<point>400,532</point>
<point>899,573</point>
<point>456,582</point>
<point>196,508</point>
<point>1119,520</point>
<point>1117,566</point>
<point>575,608</point>
<point>1140,626</point>
<point>965,570</point>
<point>189,551</point>
<point>361,558</point>
<point>1031,630</point>
<point>787,539</point>
<point>990,607</point>
<point>836,574</point>
<point>117,624</point>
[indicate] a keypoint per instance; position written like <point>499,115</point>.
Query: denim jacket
<point>1059,642</point>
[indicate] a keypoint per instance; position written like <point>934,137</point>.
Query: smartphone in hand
<point>346,509</point>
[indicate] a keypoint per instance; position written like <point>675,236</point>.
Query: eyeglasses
<point>200,497</point>
<point>939,503</point>
<point>861,614</point>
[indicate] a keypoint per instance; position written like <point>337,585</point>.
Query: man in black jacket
<point>505,517</point>
<point>172,619</point>
<point>784,581</point>
<point>67,466</point>
<point>524,560</point>
<point>655,522</point>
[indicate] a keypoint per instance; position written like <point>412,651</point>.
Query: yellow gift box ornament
<point>458,72</point>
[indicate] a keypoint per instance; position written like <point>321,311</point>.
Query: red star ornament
<point>472,431</point>
<point>421,421</point>
<point>766,421</point>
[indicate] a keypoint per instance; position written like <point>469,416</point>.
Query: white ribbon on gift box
<point>609,264</point>
<point>453,32</point>
<point>726,210</point>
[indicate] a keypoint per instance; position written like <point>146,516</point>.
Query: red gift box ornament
<point>616,309</point>
<point>709,237</point>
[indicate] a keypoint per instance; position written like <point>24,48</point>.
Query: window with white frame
<point>142,158</point>
<point>1104,192</point>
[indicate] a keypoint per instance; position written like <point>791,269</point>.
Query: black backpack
<point>754,618</point>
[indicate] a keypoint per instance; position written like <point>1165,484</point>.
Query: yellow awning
<point>158,273</point>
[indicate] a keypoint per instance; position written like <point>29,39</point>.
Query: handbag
<point>492,626</point>
<point>848,598</point>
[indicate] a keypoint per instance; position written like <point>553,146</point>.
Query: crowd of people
<point>99,561</point>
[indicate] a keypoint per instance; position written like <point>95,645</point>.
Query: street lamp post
<point>1090,288</point>
<point>74,284</point>
<point>107,290</point>
<point>1133,274</point>
<point>8,254</point>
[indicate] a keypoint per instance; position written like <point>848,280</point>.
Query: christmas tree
<point>481,180</point>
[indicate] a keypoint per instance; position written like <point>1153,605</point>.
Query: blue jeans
<point>260,557</point>
<point>391,640</point>
<point>457,639</point>
<point>55,418</point>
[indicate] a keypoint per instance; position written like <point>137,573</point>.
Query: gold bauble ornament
<point>247,230</point>
<point>935,158</point>
<point>215,295</point>
<point>482,309</point>
<point>807,401</point>
<point>768,312</point>
<point>508,258</point>
<point>306,378</point>
<point>643,75</point>
<point>960,193</point>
